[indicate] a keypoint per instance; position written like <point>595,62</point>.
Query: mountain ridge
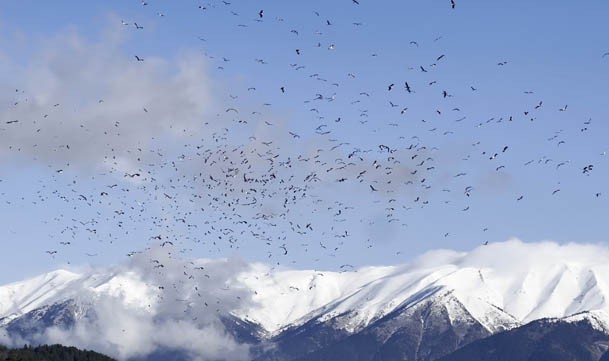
<point>556,289</point>
<point>460,296</point>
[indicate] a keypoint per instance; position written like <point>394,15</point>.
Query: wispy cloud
<point>89,103</point>
<point>154,303</point>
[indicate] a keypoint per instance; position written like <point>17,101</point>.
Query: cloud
<point>515,254</point>
<point>89,103</point>
<point>5,338</point>
<point>140,308</point>
<point>126,333</point>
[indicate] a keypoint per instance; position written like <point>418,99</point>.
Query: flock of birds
<point>289,189</point>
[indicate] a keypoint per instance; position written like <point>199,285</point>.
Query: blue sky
<point>162,117</point>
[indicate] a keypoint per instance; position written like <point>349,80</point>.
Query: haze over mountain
<point>136,310</point>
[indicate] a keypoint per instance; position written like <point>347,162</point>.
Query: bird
<point>261,13</point>
<point>452,4</point>
<point>588,168</point>
<point>138,58</point>
<point>407,87</point>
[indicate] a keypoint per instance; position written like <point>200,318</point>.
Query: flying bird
<point>407,87</point>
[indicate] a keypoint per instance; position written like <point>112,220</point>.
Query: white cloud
<point>125,333</point>
<point>139,308</point>
<point>88,103</point>
<point>515,254</point>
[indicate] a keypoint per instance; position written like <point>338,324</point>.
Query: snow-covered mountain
<point>473,294</point>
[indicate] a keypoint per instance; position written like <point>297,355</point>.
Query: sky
<point>283,132</point>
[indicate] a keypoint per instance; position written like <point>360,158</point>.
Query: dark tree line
<point>50,353</point>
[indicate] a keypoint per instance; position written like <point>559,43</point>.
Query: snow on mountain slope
<point>519,281</point>
<point>500,285</point>
<point>283,297</point>
<point>599,320</point>
<point>21,297</point>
